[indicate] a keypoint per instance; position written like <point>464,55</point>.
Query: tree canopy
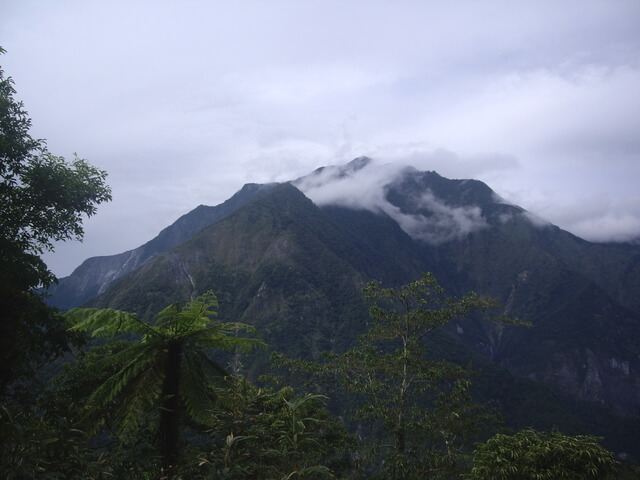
<point>532,455</point>
<point>158,406</point>
<point>43,199</point>
<point>418,407</point>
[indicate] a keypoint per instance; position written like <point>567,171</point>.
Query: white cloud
<point>362,189</point>
<point>612,227</point>
<point>433,222</point>
<point>442,223</point>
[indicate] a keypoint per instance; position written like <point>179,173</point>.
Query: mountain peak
<point>322,175</point>
<point>427,206</point>
<point>357,164</point>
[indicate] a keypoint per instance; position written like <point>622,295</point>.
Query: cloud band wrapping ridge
<point>363,185</point>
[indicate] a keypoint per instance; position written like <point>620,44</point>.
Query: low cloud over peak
<point>364,184</point>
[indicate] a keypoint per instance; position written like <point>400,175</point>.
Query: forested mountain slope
<point>293,264</point>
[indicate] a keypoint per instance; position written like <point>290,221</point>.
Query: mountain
<point>95,274</point>
<point>292,258</point>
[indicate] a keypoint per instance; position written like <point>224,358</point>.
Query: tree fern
<point>166,370</point>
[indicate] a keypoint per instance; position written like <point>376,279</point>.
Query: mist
<point>363,184</point>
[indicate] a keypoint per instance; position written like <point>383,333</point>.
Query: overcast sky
<point>183,102</point>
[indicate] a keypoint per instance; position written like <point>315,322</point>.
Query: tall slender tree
<point>166,370</point>
<point>419,405</point>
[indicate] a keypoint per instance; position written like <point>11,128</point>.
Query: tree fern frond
<point>196,373</point>
<point>136,407</point>
<point>107,322</point>
<point>167,315</point>
<point>126,386</point>
<point>122,384</point>
<point>196,315</point>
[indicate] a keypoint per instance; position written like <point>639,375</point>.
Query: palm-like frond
<point>197,314</point>
<point>106,323</point>
<point>197,395</point>
<point>136,386</point>
<point>141,390</point>
<point>192,317</point>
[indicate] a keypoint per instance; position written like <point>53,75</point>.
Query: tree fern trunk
<point>169,428</point>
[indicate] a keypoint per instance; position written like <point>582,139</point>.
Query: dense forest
<point>106,393</point>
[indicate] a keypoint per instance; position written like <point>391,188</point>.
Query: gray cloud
<point>183,102</point>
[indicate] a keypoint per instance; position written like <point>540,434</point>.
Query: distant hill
<point>293,264</point>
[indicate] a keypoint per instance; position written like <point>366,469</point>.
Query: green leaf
<point>106,323</point>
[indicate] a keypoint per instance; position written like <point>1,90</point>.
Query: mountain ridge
<point>96,274</point>
<point>293,266</point>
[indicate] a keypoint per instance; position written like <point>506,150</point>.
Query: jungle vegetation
<point>103,393</point>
